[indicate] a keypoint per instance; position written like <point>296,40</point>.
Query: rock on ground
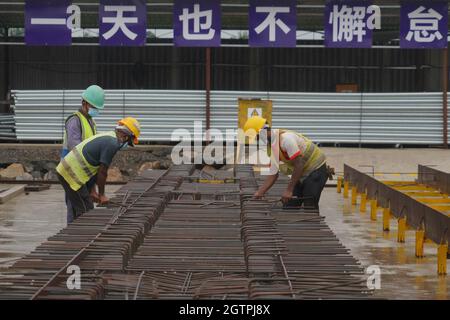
<point>51,175</point>
<point>12,171</point>
<point>150,165</point>
<point>25,177</point>
<point>114,175</point>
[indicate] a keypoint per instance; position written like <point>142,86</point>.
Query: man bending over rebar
<point>300,158</point>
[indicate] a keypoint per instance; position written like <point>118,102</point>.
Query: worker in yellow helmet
<point>292,154</point>
<point>90,158</point>
<point>81,125</point>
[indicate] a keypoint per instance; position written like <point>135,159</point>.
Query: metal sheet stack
<point>7,127</point>
<point>367,118</point>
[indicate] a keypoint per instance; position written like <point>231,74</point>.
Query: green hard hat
<point>95,96</point>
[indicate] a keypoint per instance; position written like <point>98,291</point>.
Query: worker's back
<point>83,161</point>
<point>292,145</point>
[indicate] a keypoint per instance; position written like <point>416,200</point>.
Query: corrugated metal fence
<point>391,118</point>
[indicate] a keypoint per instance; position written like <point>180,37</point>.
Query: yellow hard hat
<point>133,126</point>
<point>252,127</point>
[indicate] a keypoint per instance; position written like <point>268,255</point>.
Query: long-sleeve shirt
<point>73,128</point>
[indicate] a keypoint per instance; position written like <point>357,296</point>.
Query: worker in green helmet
<point>81,126</point>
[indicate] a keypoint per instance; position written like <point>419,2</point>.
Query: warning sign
<point>254,107</point>
<point>254,112</point>
<point>249,108</point>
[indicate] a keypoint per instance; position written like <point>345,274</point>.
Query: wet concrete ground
<point>403,276</point>
<point>387,160</point>
<point>28,220</point>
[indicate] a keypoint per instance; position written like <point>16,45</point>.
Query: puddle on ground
<point>403,276</point>
<point>28,220</point>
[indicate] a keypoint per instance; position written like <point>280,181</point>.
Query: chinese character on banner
<point>273,23</point>
<point>197,23</point>
<point>350,24</point>
<point>424,24</point>
<point>47,23</point>
<point>123,22</point>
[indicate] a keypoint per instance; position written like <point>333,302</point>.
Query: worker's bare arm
<point>299,164</point>
<point>102,175</point>
<point>268,183</point>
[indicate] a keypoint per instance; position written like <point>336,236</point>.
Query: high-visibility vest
<point>313,157</point>
<point>87,130</point>
<point>74,167</point>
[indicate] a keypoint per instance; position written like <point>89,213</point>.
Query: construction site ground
<point>28,220</point>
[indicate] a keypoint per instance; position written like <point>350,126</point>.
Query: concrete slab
<point>11,192</point>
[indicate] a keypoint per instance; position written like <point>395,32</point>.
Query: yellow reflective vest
<point>74,167</point>
<point>313,157</point>
<point>87,130</point>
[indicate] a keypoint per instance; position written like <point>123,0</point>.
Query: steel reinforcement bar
<point>189,234</point>
<point>101,240</point>
<point>293,253</point>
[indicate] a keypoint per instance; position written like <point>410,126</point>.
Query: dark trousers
<point>70,214</point>
<point>310,189</point>
<point>79,201</point>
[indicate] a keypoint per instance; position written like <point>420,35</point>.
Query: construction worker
<point>80,126</point>
<point>91,158</point>
<point>300,158</point>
